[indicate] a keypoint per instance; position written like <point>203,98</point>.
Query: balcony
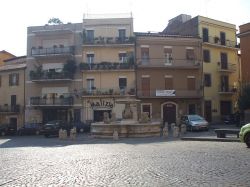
<point>109,41</point>
<point>53,51</point>
<point>63,101</point>
<point>227,90</point>
<point>107,66</point>
<point>168,63</point>
<point>160,93</point>
<point>10,108</point>
<point>215,40</point>
<point>108,92</point>
<point>44,76</point>
<point>226,67</point>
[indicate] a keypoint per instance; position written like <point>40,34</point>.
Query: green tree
<point>244,98</point>
<point>55,21</point>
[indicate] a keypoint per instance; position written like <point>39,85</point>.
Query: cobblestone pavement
<point>39,161</point>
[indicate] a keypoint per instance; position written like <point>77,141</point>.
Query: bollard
<point>73,134</point>
<point>64,135</point>
<point>165,132</point>
<point>115,135</point>
<point>60,134</point>
<point>176,132</point>
<point>172,126</point>
<point>183,129</point>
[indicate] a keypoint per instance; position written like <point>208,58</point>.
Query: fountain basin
<point>126,129</point>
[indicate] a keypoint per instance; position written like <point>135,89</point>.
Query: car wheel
<point>2,133</point>
<point>191,129</point>
<point>247,140</point>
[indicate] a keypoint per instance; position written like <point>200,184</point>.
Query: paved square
<point>39,161</point>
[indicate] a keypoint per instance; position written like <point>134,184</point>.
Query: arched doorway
<point>169,111</point>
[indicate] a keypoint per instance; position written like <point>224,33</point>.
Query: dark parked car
<point>30,129</point>
<point>52,128</point>
<point>194,122</point>
<point>81,127</point>
<point>7,129</point>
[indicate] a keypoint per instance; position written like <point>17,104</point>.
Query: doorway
<point>169,113</point>
<point>208,111</point>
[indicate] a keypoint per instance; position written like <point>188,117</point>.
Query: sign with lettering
<point>165,93</point>
<point>102,103</point>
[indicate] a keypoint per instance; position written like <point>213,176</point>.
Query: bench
<point>221,133</point>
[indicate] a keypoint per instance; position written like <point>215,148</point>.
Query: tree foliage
<point>244,98</point>
<point>55,21</point>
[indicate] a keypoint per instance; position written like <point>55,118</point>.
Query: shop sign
<point>165,92</point>
<point>102,103</point>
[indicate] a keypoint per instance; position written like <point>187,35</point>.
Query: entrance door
<point>98,115</point>
<point>13,123</point>
<point>169,113</point>
<point>208,111</point>
<point>77,115</point>
<point>225,108</point>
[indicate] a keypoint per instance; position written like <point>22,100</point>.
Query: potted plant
<point>216,39</point>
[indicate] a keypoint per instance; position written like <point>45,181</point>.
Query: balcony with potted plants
<point>64,74</point>
<point>52,101</point>
<point>107,92</point>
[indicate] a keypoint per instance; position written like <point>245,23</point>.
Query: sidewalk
<point>211,135</point>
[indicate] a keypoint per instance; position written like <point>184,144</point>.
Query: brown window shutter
<point>10,79</point>
<point>17,79</point>
<point>145,86</point>
<point>169,83</point>
<point>191,83</point>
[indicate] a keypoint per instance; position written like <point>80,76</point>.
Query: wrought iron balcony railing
<point>178,93</point>
<point>44,75</point>
<point>168,62</point>
<point>106,66</point>
<point>52,51</point>
<point>217,41</point>
<point>227,89</point>
<point>226,67</point>
<point>10,108</point>
<point>39,101</point>
<point>107,91</point>
<point>109,40</point>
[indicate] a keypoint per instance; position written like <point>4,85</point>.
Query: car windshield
<point>195,118</point>
<point>52,123</point>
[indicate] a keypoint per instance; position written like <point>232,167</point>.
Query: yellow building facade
<point>220,68</point>
<point>108,65</point>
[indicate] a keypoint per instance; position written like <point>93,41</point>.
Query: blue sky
<point>16,15</point>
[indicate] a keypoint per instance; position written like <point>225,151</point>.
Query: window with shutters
<point>206,55</point>
<point>122,83</point>
<point>191,83</point>
<point>169,83</point>
<point>145,55</point>
<point>147,109</point>
<point>168,56</point>
<point>207,80</point>
<point>145,86</point>
<point>190,54</point>
<point>122,57</point>
<point>205,34</point>
<point>90,58</point>
<point>13,79</point>
<point>90,36</point>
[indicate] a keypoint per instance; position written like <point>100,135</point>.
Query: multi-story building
<point>4,55</point>
<point>53,79</point>
<point>220,61</point>
<point>244,36</point>
<point>108,64</point>
<point>168,75</point>
<point>12,93</point>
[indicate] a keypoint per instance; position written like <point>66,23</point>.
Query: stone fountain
<point>129,126</point>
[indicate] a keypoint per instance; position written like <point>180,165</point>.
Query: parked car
<point>30,129</point>
<point>52,128</point>
<point>81,127</point>
<point>7,129</point>
<point>245,134</point>
<point>194,122</point>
